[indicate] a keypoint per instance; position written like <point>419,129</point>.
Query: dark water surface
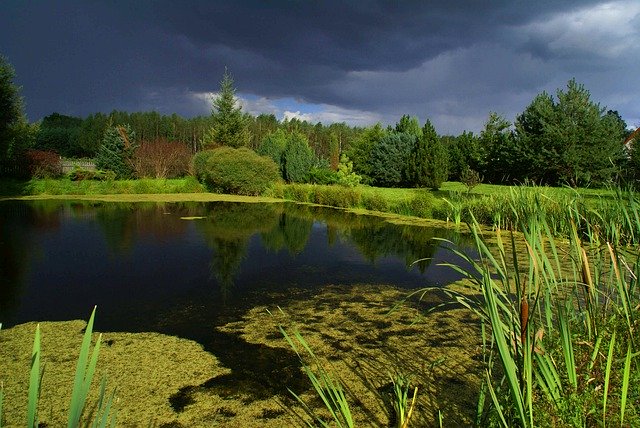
<point>140,261</point>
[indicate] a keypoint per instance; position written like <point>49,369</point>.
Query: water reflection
<point>144,260</point>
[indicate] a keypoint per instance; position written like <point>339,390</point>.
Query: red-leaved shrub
<point>43,164</point>
<point>161,158</point>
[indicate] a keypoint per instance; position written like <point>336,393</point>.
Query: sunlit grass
<point>549,312</point>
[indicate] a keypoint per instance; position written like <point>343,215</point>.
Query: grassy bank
<point>599,212</point>
<point>65,186</point>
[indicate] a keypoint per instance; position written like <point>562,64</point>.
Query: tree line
<point>566,139</point>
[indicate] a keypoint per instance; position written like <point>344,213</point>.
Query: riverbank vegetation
<point>558,311</point>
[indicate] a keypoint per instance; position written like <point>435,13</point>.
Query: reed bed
<point>560,322</point>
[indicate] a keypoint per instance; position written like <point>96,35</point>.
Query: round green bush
<point>237,171</point>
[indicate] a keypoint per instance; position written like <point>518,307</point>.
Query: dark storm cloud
<point>450,60</point>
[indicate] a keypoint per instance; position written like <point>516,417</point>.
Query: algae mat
<point>166,381</point>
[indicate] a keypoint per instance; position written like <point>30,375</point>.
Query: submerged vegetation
<point>543,330</point>
<point>559,321</point>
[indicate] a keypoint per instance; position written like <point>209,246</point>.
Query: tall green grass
<point>560,317</point>
<point>66,186</point>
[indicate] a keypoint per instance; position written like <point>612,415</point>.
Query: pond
<point>203,272</point>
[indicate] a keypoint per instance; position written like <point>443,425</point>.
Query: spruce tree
<point>118,145</point>
<point>230,125</point>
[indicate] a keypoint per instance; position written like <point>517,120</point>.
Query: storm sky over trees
<point>358,62</point>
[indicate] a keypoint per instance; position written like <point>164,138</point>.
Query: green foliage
<point>409,125</point>
<point>361,149</point>
<point>230,125</point>
<point>324,176</point>
<point>61,133</point>
<point>297,159</point>
<point>428,162</point>
<point>464,153</point>
<point>634,162</point>
<point>336,196</point>
<point>273,146</point>
<point>388,159</point>
<point>80,174</point>
<point>557,343</point>
<point>116,151</point>
<point>345,174</point>
<point>375,202</point>
<point>107,186</point>
<point>299,192</point>
<point>503,159</point>
<point>236,171</point>
<point>14,130</point>
<point>470,178</point>
<point>199,164</point>
<point>571,140</point>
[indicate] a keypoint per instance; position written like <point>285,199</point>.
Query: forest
<point>566,139</point>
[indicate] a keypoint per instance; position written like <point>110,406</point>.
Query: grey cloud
<point>452,61</point>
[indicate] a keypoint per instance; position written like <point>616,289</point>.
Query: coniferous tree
<point>360,151</point>
<point>297,158</point>
<point>273,146</point>
<point>409,125</point>
<point>116,151</point>
<point>230,125</point>
<point>389,158</point>
<point>428,165</point>
<point>14,129</point>
<point>571,140</point>
<point>503,158</point>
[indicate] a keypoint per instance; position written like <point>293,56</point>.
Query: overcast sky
<point>355,61</point>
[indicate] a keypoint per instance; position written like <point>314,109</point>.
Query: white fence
<point>69,165</point>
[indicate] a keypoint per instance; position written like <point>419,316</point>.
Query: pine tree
<point>230,125</point>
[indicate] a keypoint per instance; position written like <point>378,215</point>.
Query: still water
<point>207,271</point>
<point>137,261</point>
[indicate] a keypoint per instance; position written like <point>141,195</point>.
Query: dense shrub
<point>43,164</point>
<point>237,171</point>
<point>81,174</point>
<point>161,158</point>
<point>323,176</point>
<point>198,166</point>
<point>337,196</point>
<point>422,205</point>
<point>273,146</point>
<point>375,202</point>
<point>299,192</point>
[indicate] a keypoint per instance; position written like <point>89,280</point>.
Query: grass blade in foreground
<point>328,388</point>
<point>34,382</point>
<point>84,375</point>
